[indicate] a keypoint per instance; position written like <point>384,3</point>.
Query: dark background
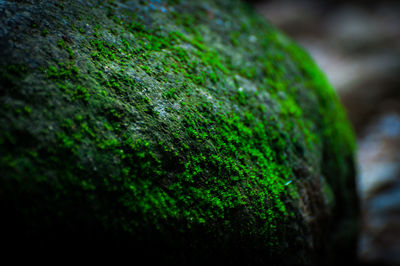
<point>357,44</point>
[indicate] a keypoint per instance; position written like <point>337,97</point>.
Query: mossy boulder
<point>189,131</point>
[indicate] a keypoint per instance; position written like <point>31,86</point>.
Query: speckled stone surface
<point>185,132</point>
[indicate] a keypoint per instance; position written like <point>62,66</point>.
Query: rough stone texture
<point>181,131</point>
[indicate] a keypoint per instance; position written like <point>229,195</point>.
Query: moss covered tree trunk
<point>186,131</point>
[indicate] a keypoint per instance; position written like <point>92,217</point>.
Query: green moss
<point>62,71</point>
<point>45,32</point>
<point>164,121</point>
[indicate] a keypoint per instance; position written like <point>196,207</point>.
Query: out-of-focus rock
<point>379,186</point>
<point>378,151</point>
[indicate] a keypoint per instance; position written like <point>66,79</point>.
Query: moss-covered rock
<point>192,131</point>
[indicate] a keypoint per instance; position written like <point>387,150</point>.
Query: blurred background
<point>357,44</point>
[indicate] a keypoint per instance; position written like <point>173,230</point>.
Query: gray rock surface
<point>178,132</point>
